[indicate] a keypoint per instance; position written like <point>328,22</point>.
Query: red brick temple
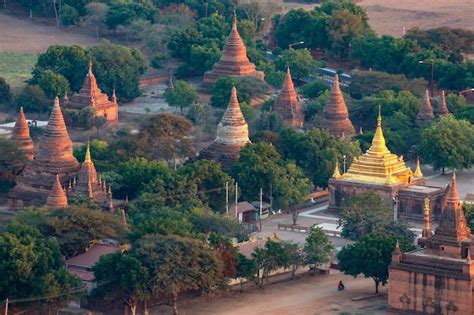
<point>53,157</point>
<point>335,116</point>
<point>438,277</point>
<point>425,114</point>
<point>288,104</point>
<point>88,184</point>
<point>91,96</point>
<point>57,197</point>
<point>21,134</point>
<point>234,60</point>
<point>232,135</point>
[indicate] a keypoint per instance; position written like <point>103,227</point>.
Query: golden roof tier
<point>378,165</point>
<point>288,104</point>
<point>335,116</point>
<point>232,135</point>
<point>54,157</point>
<point>91,96</point>
<point>21,134</point>
<point>57,197</point>
<point>234,60</point>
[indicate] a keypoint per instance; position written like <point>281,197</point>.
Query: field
<point>391,16</point>
<point>16,67</point>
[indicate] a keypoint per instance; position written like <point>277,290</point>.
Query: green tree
<point>270,258</point>
<point>73,228</point>
<point>317,249</point>
<point>182,95</point>
<point>295,255</point>
<point>31,265</point>
<point>178,264</point>
<point>370,256</point>
<point>180,42</point>
<point>123,13</point>
<point>246,269</point>
<point>124,277</point>
<point>314,89</point>
<point>247,89</point>
<point>118,67</point>
<point>68,15</point>
<point>53,84</point>
<point>33,99</point>
<point>448,143</point>
<point>11,162</point>
<point>5,94</point>
<point>468,210</point>
<point>368,213</point>
<point>299,61</point>
<point>96,14</point>
<point>69,61</point>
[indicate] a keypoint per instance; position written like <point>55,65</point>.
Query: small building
<point>411,202</point>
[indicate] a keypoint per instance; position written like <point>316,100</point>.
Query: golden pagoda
<point>378,165</point>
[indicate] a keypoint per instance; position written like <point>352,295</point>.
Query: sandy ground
<point>391,16</point>
<point>309,295</point>
<point>22,35</point>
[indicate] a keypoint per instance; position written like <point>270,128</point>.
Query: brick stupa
<point>54,157</point>
<point>57,197</point>
<point>91,96</point>
<point>288,104</point>
<point>443,108</point>
<point>425,114</point>
<point>335,116</point>
<point>88,184</point>
<point>234,60</point>
<point>232,135</point>
<point>21,134</point>
<point>437,278</point>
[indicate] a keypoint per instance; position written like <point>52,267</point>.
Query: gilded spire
<point>21,134</point>
<point>87,159</point>
<point>288,103</point>
<point>418,172</point>
<point>426,224</point>
<point>57,198</point>
<point>337,172</point>
<point>443,111</point>
<point>335,116</point>
<point>378,146</point>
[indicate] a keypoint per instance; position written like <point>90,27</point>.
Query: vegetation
<point>21,72</point>
<point>183,95</point>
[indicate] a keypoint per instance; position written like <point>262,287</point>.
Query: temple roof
<point>452,225</point>
<point>443,110</point>
<point>233,129</point>
<point>21,134</point>
<point>335,116</point>
<point>288,104</point>
<point>378,165</point>
<point>426,110</point>
<point>57,197</point>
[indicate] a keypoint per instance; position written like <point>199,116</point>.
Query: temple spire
<point>57,198</point>
<point>288,103</point>
<point>21,134</point>
<point>418,172</point>
<point>335,116</point>
<point>443,111</point>
<point>89,72</point>
<point>337,172</point>
<point>234,22</point>
<point>378,146</point>
<point>87,159</point>
<point>425,114</point>
<point>426,224</point>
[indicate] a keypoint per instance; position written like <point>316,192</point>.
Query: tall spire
<point>425,114</point>
<point>378,146</point>
<point>89,72</point>
<point>21,134</point>
<point>418,172</point>
<point>426,224</point>
<point>288,104</point>
<point>233,128</point>
<point>443,110</point>
<point>335,116</point>
<point>337,172</point>
<point>57,198</point>
<point>87,158</point>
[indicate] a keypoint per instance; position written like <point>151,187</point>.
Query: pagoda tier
<point>443,108</point>
<point>234,60</point>
<point>288,104</point>
<point>87,184</point>
<point>378,165</point>
<point>232,135</point>
<point>335,116</point>
<point>57,197</point>
<point>21,134</point>
<point>54,157</point>
<point>91,96</point>
<point>425,115</point>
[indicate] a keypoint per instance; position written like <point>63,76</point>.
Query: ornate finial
<point>124,218</point>
<point>74,182</point>
<point>109,192</point>
<point>468,256</point>
<point>114,97</point>
<point>65,98</point>
<point>379,118</point>
<point>90,66</point>
<point>418,172</point>
<point>361,132</point>
<point>444,108</point>
<point>378,146</point>
<point>87,159</point>
<point>100,180</point>
<point>90,193</point>
<point>426,232</point>
<point>234,21</point>
<point>336,79</point>
<point>337,173</point>
<point>397,248</point>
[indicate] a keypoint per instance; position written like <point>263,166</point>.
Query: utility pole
<point>227,198</point>
<point>261,206</point>
<point>236,199</point>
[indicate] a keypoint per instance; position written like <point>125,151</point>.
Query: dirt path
<point>23,35</point>
<point>309,295</point>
